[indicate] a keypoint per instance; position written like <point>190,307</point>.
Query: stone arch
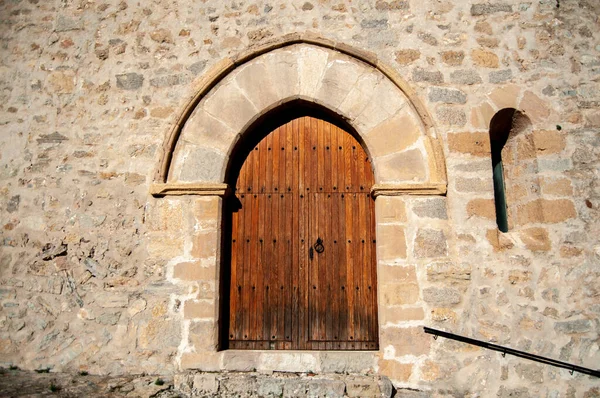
<point>368,95</point>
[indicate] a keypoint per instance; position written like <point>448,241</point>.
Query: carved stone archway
<point>387,115</point>
<point>389,120</point>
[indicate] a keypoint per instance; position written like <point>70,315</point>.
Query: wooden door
<point>303,266</point>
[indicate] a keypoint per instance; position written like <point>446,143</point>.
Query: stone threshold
<point>313,362</point>
<point>254,384</point>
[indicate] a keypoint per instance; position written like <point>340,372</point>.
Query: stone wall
<point>98,275</point>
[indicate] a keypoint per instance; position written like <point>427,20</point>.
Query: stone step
<point>244,384</point>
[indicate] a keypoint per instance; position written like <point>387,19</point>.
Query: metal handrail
<point>512,351</point>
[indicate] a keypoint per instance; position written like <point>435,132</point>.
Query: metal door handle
<point>319,246</point>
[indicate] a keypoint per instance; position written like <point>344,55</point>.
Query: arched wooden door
<point>303,266</point>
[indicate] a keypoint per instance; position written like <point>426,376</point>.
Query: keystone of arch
<point>392,123</point>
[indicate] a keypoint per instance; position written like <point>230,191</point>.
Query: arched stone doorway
<point>396,133</point>
<point>303,249</point>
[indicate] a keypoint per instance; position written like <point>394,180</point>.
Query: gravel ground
<point>19,383</point>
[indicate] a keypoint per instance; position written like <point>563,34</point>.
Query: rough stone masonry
<point>98,275</point>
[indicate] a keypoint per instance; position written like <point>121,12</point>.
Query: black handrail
<point>511,351</point>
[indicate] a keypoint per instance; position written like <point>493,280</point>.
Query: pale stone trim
<point>203,189</point>
<point>408,189</point>
<point>220,70</point>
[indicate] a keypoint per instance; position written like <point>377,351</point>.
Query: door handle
<point>311,253</point>
<point>319,246</point>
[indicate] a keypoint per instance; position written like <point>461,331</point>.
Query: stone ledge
<point>203,189</point>
<point>409,189</point>
<point>253,384</point>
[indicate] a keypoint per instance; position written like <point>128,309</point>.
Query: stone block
<point>164,246</point>
<point>441,297</point>
<point>257,84</point>
<point>346,362</point>
<point>228,103</point>
<point>407,56</point>
<point>203,335</point>
<point>312,62</point>
<point>448,272</point>
<point>398,274</point>
<point>241,361</point>
<point>443,315</point>
<point>505,96</point>
<point>205,383</point>
<point>409,166</point>
<point>489,8</point>
<point>447,95</point>
<point>169,80</point>
<point>430,243</point>
<point>486,59</point>
<point>282,68</point>
<point>481,115</point>
<point>475,185</point>
<point>207,131</point>
<point>65,24</point>
<point>390,209</point>
<point>295,388</point>
<point>556,186</point>
<point>476,144</point>
<point>396,314</point>
<point>239,386</point>
<point>453,58</point>
<point>548,141</point>
<point>391,242</point>
<point>451,116</point>
<point>289,362</point>
<point>430,208</point>
<point>574,327</point>
<point>465,76</point>
<point>62,82</point>
<point>395,134</point>
<point>396,371</point>
<point>130,81</point>
<point>484,208</point>
<point>166,215</point>
<point>193,309</point>
<point>326,388</point>
<point>340,76</point>
<point>517,276</point>
<point>536,239</point>
<point>546,211</point>
<point>200,164</point>
<point>361,94</point>
<point>159,334</point>
<point>204,244</point>
<point>500,76</point>
<point>206,211</point>
<point>362,388</point>
<point>399,293</point>
<point>534,107</point>
<point>205,361</point>
<point>422,75</point>
<point>183,383</point>
<point>389,102</point>
<point>194,271</point>
<point>406,341</point>
<point>270,388</point>
<point>161,36</point>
